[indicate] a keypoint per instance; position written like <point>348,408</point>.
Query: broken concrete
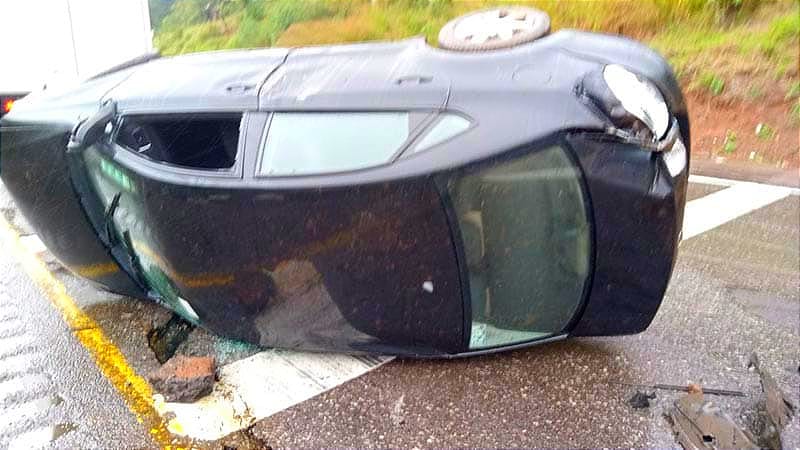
<point>184,379</point>
<point>165,339</point>
<point>774,408</point>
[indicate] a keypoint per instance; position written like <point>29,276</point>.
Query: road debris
<point>693,388</point>
<point>184,379</point>
<point>690,388</point>
<point>641,400</point>
<point>774,408</point>
<point>165,339</point>
<point>398,416</point>
<point>699,424</point>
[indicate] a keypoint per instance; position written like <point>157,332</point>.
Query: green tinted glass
<point>527,241</point>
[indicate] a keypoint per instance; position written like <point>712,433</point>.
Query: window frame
<point>557,139</point>
<point>167,171</point>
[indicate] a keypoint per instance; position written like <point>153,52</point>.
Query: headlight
<point>638,97</point>
<point>675,158</point>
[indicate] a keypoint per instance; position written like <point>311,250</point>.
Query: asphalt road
<point>735,290</point>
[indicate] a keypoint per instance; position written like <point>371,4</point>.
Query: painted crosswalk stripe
<point>29,410</point>
<point>25,383</point>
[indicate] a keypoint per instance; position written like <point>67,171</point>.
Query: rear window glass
<point>320,142</point>
<point>198,141</point>
<point>447,126</point>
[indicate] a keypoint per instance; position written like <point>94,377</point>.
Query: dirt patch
<point>760,131</point>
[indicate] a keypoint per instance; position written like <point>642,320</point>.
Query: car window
<point>447,126</point>
<point>199,141</point>
<point>526,239</point>
<point>322,142</point>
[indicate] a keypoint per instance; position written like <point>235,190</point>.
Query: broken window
<point>200,141</point>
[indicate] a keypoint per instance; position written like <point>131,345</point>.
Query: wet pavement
<point>50,388</point>
<point>735,290</point>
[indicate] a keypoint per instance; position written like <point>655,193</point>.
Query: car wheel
<point>494,29</point>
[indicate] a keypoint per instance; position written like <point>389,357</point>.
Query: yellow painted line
<point>134,389</point>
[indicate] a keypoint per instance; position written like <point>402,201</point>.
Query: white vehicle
<point>50,43</point>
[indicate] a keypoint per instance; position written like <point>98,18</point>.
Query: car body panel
<point>357,77</point>
<point>217,81</point>
<point>368,260</point>
<point>34,168</point>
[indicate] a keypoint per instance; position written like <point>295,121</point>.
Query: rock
<point>184,379</point>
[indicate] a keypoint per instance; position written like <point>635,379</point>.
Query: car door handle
<point>414,79</point>
<point>89,131</point>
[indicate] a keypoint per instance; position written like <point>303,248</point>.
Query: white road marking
<point>260,386</point>
<point>713,210</point>
<point>33,244</point>
<point>702,179</point>
<point>28,410</point>
<point>24,383</point>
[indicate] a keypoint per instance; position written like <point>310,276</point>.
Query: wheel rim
<point>494,25</point>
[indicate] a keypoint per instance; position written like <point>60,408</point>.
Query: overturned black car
<point>384,197</point>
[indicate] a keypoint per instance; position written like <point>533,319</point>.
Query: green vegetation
<point>765,132</point>
<point>198,25</point>
<point>712,82</point>
<point>712,44</point>
<point>794,111</point>
<point>729,146</point>
<point>794,90</point>
<point>761,50</point>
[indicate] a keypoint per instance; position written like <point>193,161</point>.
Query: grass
<point>729,146</point>
<point>754,54</point>
<point>713,83</point>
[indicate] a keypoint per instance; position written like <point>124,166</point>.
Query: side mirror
<point>88,131</point>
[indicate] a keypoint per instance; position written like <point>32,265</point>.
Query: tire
<point>494,29</point>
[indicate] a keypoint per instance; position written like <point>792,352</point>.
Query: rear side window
<point>322,142</point>
<point>202,141</point>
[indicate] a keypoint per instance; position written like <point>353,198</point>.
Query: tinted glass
<point>526,240</point>
<point>312,143</point>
